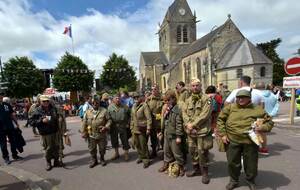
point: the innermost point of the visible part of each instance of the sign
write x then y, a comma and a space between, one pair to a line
292, 67
291, 82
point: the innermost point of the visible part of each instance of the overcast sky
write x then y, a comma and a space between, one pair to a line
34, 27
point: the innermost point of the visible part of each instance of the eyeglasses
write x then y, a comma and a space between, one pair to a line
45, 101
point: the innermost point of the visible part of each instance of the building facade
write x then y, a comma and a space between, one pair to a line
222, 55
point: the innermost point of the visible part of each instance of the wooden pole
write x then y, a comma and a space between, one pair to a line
292, 107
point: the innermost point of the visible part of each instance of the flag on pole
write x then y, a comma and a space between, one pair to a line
68, 31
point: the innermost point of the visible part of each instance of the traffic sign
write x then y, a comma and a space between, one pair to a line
292, 67
291, 82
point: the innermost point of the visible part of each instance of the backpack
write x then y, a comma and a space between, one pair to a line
215, 105
81, 113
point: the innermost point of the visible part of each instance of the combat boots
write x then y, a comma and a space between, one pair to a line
126, 155
232, 185
102, 160
93, 163
116, 155
251, 185
164, 167
195, 172
48, 166
205, 177
56, 163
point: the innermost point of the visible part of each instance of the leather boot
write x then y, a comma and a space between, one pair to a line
48, 166
195, 172
251, 184
181, 171
205, 177
126, 155
102, 160
93, 163
116, 155
164, 167
56, 163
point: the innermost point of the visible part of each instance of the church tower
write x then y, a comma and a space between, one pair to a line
178, 28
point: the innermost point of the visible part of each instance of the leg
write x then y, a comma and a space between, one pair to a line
178, 155
192, 143
250, 157
93, 151
234, 154
102, 148
154, 142
3, 144
144, 149
168, 157
46, 140
125, 143
114, 142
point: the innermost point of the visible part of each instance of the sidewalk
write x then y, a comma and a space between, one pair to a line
8, 182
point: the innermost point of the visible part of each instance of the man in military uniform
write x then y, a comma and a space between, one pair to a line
32, 110
196, 116
62, 132
234, 122
45, 119
173, 133
140, 125
120, 115
96, 123
182, 93
155, 104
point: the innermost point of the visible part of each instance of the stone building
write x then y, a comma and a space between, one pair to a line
222, 55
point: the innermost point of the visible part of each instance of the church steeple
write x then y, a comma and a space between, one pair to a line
178, 28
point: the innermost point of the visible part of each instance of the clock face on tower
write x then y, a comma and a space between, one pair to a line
182, 11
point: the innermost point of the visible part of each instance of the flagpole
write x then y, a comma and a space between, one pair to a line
72, 38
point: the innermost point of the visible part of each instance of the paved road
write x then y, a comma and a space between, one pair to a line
280, 170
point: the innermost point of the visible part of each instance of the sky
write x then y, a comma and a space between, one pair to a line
34, 28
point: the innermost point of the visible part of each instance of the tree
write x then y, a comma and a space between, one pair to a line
71, 74
117, 73
269, 49
24, 79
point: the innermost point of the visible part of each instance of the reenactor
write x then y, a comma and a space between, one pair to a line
45, 118
31, 111
182, 93
233, 125
96, 123
140, 125
196, 115
173, 134
62, 132
155, 104
120, 115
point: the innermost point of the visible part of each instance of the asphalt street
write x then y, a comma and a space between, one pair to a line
279, 170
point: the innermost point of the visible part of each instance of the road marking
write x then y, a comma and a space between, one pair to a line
33, 181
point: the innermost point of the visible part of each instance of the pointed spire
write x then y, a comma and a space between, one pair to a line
229, 16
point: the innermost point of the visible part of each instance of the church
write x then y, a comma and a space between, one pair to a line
222, 55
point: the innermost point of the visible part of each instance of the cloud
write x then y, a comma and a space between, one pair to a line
98, 35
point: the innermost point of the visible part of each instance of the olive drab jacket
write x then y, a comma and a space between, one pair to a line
140, 118
120, 115
197, 111
62, 125
173, 123
155, 104
234, 122
94, 121
182, 97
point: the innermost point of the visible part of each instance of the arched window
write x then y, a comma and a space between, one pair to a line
185, 34
239, 73
262, 71
179, 34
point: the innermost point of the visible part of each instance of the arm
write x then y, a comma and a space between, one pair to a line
275, 109
108, 121
222, 119
179, 124
148, 115
267, 125
205, 113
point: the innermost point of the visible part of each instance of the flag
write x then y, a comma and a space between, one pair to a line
68, 31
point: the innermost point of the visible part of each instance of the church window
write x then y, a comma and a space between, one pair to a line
198, 67
239, 73
185, 34
165, 82
179, 34
262, 71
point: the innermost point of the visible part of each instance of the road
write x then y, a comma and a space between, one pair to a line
280, 170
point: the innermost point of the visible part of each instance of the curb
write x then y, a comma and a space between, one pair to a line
32, 181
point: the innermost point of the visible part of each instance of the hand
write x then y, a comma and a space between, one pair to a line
103, 129
45, 120
159, 134
148, 132
258, 129
178, 140
225, 139
84, 135
189, 126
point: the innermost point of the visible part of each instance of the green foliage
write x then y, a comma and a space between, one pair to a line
68, 75
269, 49
24, 79
117, 73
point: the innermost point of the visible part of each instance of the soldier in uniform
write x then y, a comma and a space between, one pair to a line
140, 125
96, 123
155, 104
31, 111
120, 115
196, 115
182, 93
45, 119
173, 133
62, 131
233, 124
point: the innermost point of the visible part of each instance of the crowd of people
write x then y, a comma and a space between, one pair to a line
180, 122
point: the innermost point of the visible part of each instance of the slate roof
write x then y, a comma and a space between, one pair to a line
241, 53
151, 58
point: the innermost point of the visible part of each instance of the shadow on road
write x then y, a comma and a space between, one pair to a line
76, 163
32, 140
48, 184
17, 185
33, 156
218, 169
77, 153
270, 179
